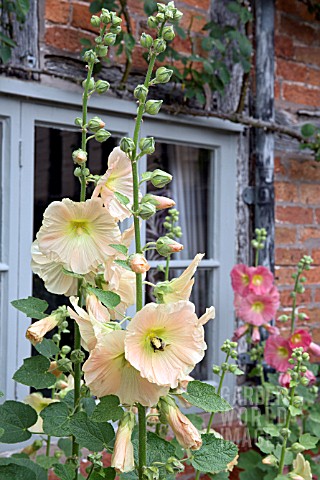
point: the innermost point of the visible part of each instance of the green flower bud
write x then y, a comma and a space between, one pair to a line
165, 246
78, 122
65, 349
77, 172
116, 29
306, 356
283, 318
153, 106
150, 473
109, 39
77, 356
175, 464
285, 432
147, 145
168, 34
105, 16
216, 369
152, 22
177, 15
91, 84
163, 75
159, 178
95, 21
161, 7
127, 144
98, 40
297, 402
146, 210
102, 135
140, 92
115, 20
297, 447
79, 156
89, 56
102, 50
146, 41
159, 45
95, 124
64, 365
304, 381
102, 86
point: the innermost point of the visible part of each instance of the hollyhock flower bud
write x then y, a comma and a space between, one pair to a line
163, 74
161, 203
146, 210
301, 469
146, 40
95, 124
165, 246
140, 92
271, 329
102, 86
270, 460
109, 39
152, 22
105, 16
95, 21
147, 145
255, 335
90, 57
159, 45
315, 349
122, 458
127, 144
310, 376
168, 33
38, 330
102, 50
186, 433
152, 107
79, 156
284, 379
54, 369
102, 135
177, 15
115, 29
138, 263
159, 178
115, 20
239, 332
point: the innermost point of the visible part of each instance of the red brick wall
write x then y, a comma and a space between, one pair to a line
297, 175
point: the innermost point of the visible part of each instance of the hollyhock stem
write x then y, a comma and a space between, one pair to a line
166, 273
285, 439
294, 303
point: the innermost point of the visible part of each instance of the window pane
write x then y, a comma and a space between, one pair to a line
192, 190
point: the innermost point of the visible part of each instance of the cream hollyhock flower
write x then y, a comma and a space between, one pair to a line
38, 330
301, 469
178, 288
186, 433
38, 403
122, 458
118, 178
78, 234
165, 341
107, 372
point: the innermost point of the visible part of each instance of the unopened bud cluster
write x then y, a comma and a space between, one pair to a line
229, 348
260, 238
173, 230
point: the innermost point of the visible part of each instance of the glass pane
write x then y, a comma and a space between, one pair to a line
192, 190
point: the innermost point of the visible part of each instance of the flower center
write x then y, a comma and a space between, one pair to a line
258, 307
79, 227
283, 352
245, 280
296, 338
257, 280
157, 344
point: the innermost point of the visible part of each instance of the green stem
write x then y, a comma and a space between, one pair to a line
90, 472
256, 262
166, 273
142, 418
294, 303
285, 439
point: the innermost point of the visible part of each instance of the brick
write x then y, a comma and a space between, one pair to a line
304, 169
310, 233
313, 276
198, 21
57, 11
200, 4
292, 92
314, 76
279, 167
286, 300
295, 215
299, 30
81, 17
66, 39
283, 275
309, 55
289, 70
310, 194
277, 90
283, 46
288, 256
294, 7
286, 192
315, 254
284, 235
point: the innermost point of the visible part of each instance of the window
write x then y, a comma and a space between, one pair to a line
200, 153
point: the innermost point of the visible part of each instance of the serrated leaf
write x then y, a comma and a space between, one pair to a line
123, 264
26, 463
109, 299
64, 472
120, 248
34, 373
91, 435
214, 455
307, 130
47, 348
16, 472
288, 457
196, 420
123, 199
308, 441
31, 306
56, 419
107, 409
15, 419
203, 395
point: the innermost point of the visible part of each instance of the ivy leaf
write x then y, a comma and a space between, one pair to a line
214, 455
15, 419
123, 199
56, 419
91, 435
31, 306
308, 441
307, 130
265, 445
34, 373
40, 473
47, 348
123, 264
107, 409
109, 299
64, 472
16, 472
120, 248
203, 395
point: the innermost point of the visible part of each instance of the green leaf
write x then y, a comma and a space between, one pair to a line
46, 462
265, 445
197, 420
214, 455
56, 420
307, 130
294, 411
203, 395
15, 419
288, 457
219, 476
308, 441
159, 450
146, 176
180, 32
7, 40
249, 460
23, 7
123, 199
109, 299
120, 248
64, 472
5, 53
108, 473
107, 409
72, 274
271, 430
65, 444
47, 348
91, 435
34, 373
40, 473
123, 264
16, 472
31, 306
1, 394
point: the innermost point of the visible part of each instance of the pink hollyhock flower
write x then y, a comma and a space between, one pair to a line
118, 178
165, 341
300, 338
315, 349
240, 331
285, 379
107, 372
122, 458
96, 309
261, 280
311, 377
240, 279
163, 202
277, 353
255, 335
138, 263
39, 329
258, 309
186, 433
78, 234
271, 329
